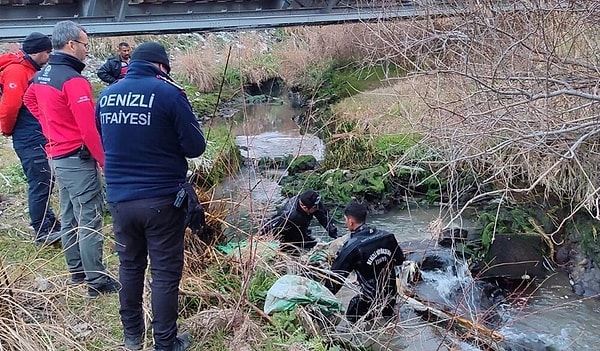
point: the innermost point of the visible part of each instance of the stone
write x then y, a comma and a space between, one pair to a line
514, 256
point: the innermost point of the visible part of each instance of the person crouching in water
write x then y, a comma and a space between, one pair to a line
291, 223
372, 253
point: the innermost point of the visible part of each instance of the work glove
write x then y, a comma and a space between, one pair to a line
332, 230
194, 217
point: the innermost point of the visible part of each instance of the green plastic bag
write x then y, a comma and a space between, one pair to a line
262, 248
290, 291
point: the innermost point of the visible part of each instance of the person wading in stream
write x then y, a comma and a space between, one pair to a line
291, 223
372, 253
148, 129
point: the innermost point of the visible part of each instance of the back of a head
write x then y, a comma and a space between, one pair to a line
356, 210
65, 31
152, 52
36, 42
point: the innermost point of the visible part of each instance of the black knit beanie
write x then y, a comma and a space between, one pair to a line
153, 52
36, 42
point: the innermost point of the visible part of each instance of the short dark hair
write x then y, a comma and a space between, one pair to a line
310, 198
123, 44
356, 210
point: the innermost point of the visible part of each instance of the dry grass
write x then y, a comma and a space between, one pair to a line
511, 98
305, 47
104, 47
197, 68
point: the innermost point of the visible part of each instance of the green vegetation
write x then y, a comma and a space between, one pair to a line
505, 220
203, 104
338, 186
584, 230
12, 179
221, 159
330, 81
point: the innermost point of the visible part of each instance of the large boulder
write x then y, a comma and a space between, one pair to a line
514, 256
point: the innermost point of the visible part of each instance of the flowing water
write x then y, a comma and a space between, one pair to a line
548, 318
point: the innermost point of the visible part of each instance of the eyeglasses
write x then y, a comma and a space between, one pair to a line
85, 45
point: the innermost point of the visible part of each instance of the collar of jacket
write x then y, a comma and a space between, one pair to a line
363, 230
61, 58
28, 58
141, 68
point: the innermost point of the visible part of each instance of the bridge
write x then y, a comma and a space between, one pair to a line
130, 17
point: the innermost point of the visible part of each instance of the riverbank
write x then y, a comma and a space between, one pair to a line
477, 111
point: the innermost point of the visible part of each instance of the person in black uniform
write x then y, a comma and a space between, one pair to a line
372, 253
148, 129
291, 223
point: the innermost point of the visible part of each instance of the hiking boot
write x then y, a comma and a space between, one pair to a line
133, 343
47, 239
109, 287
76, 278
182, 342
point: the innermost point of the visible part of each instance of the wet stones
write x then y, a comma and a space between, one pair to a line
450, 236
514, 256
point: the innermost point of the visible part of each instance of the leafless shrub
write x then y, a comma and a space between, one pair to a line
510, 93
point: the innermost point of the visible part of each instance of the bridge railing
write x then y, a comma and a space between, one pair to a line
127, 17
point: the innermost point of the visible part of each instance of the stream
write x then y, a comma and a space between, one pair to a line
551, 317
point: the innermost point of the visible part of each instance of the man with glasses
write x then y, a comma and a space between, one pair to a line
291, 223
16, 69
61, 99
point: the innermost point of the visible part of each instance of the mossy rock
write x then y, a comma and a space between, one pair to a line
273, 162
301, 164
584, 229
515, 256
338, 186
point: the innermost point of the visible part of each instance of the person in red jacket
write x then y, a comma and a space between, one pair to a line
61, 99
16, 70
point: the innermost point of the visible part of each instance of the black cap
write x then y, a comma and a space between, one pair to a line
36, 42
152, 52
310, 198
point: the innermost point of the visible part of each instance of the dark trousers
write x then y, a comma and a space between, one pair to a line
149, 227
39, 179
359, 307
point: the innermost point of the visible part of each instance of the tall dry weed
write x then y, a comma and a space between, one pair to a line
307, 46
104, 47
197, 66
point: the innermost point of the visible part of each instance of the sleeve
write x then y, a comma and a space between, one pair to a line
191, 138
78, 93
15, 84
97, 117
341, 268
30, 101
325, 221
104, 73
278, 221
